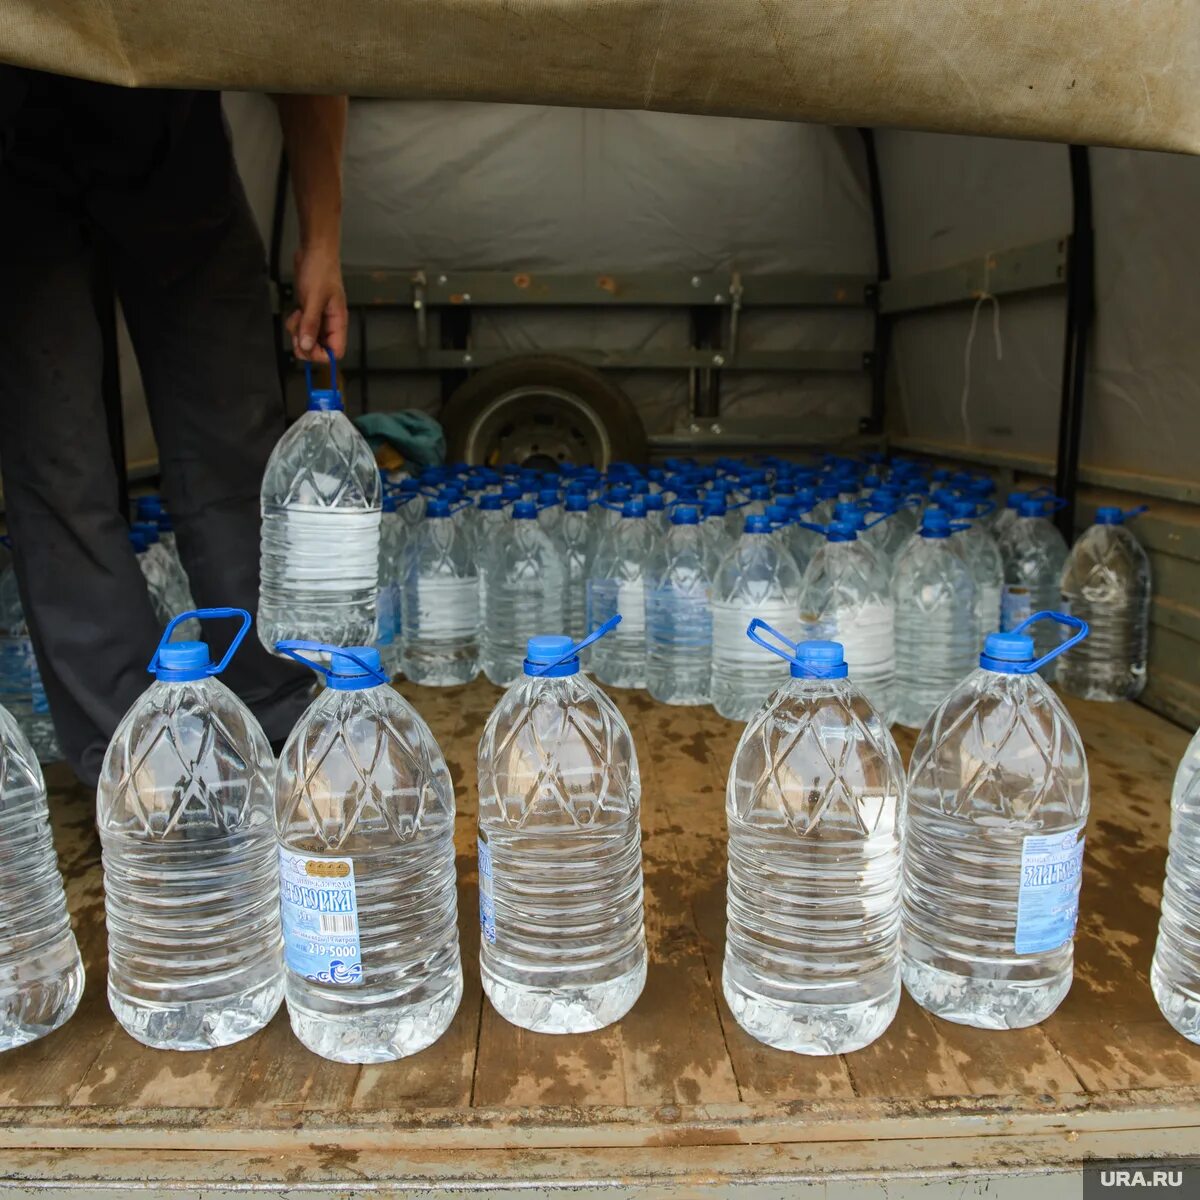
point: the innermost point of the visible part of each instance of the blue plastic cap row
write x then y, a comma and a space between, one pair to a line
685, 514
524, 510
757, 524
576, 502
491, 502
935, 523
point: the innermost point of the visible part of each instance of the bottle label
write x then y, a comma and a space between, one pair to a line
1048, 899
487, 895
319, 908
447, 608
388, 614
1016, 605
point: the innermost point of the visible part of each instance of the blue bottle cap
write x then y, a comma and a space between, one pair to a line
757, 524
935, 523
1000, 649
1031, 506
819, 660
549, 648
438, 508
653, 502
524, 510
760, 491
353, 674
149, 508
776, 514
685, 514
388, 503
619, 493
548, 496
841, 531
576, 502
148, 530
490, 502
634, 508
510, 491
1109, 515
177, 662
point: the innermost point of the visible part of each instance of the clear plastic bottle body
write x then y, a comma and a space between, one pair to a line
1175, 971
41, 974
679, 617
617, 584
889, 535
814, 805
574, 544
997, 804
937, 637
167, 584
982, 553
439, 605
563, 947
190, 878
845, 596
1106, 582
1034, 555
363, 797
321, 509
389, 627
21, 690
486, 535
801, 543
526, 593
757, 578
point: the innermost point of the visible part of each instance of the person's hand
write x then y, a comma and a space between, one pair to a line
321, 317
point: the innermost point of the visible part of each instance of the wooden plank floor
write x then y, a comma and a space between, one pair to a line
677, 1070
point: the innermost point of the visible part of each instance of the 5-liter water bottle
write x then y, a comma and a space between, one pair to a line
364, 811
979, 548
678, 616
321, 505
526, 585
191, 887
41, 975
997, 803
617, 585
439, 601
815, 809
937, 637
1175, 972
845, 597
756, 579
21, 690
1034, 554
573, 536
563, 946
1106, 582
393, 530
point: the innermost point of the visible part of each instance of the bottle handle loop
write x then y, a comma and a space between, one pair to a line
205, 614
293, 647
1081, 631
752, 632
308, 371
567, 655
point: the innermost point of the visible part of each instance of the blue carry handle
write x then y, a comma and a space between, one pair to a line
292, 648
205, 614
323, 399
573, 652
1080, 626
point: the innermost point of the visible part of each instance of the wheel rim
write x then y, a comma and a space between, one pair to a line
538, 426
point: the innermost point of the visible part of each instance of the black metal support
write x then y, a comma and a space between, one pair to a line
1080, 309
881, 346
105, 305
705, 324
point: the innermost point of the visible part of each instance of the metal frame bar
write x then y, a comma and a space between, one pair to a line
1080, 308
878, 365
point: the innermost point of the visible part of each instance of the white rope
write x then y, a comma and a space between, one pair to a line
980, 296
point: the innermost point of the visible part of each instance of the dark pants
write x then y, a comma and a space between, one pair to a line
144, 182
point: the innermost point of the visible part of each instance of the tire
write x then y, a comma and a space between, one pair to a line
542, 410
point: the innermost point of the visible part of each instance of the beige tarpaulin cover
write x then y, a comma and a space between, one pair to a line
1120, 72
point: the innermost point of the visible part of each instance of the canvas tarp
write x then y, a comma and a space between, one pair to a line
1099, 71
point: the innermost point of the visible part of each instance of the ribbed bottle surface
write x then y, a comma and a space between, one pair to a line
191, 889
563, 946
573, 536
321, 508
617, 584
440, 615
845, 596
41, 974
997, 803
679, 618
1034, 554
814, 808
389, 628
1175, 972
1106, 582
525, 596
982, 553
757, 578
364, 809
937, 638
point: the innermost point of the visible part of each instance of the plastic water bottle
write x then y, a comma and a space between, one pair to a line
526, 586
439, 602
678, 615
617, 585
1034, 554
21, 690
563, 946
392, 533
887, 525
573, 537
814, 806
714, 527
170, 594
321, 508
364, 812
549, 515
845, 597
937, 637
979, 548
1106, 582
410, 503
41, 974
997, 803
756, 579
1004, 518
190, 880
1175, 972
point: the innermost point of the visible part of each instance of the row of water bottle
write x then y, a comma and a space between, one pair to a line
327, 879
